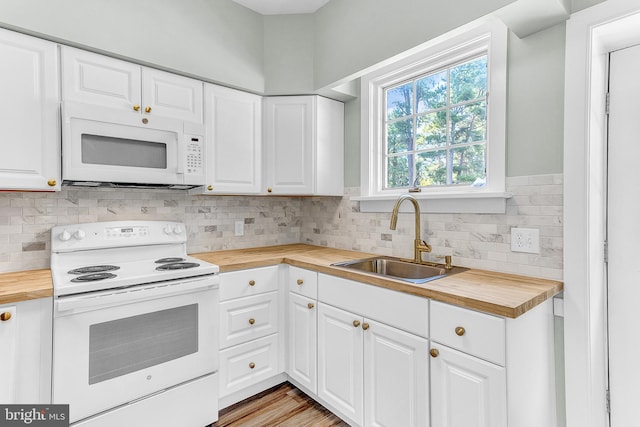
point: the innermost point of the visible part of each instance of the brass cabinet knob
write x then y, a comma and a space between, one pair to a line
252, 321
136, 107
52, 183
356, 323
252, 365
210, 187
269, 190
5, 316
434, 352
147, 109
252, 282
300, 281
365, 326
460, 331
310, 305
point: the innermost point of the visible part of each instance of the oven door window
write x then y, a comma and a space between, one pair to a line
108, 150
119, 347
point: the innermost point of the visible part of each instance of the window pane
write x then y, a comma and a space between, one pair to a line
400, 136
469, 81
468, 165
432, 168
398, 168
432, 92
399, 101
469, 123
432, 130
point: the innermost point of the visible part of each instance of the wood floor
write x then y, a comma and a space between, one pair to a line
283, 405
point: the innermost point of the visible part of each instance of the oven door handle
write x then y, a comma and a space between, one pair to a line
130, 295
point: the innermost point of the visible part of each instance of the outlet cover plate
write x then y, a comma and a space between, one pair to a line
239, 229
525, 240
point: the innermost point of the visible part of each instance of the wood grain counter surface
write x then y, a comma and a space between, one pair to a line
25, 285
503, 294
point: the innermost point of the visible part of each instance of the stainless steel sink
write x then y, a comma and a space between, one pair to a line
399, 269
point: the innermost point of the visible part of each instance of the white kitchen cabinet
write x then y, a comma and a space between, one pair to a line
304, 146
96, 79
466, 391
25, 359
302, 341
234, 141
30, 111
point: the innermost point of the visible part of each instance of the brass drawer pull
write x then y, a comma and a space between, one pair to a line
252, 321
147, 109
5, 316
310, 305
252, 365
460, 331
136, 107
300, 281
252, 282
365, 326
52, 183
356, 323
434, 352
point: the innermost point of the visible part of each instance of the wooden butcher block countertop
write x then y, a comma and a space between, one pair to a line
491, 292
25, 285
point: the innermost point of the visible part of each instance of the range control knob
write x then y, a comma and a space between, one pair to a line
65, 235
177, 229
167, 230
79, 235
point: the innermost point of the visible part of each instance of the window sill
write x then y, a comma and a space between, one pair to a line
487, 203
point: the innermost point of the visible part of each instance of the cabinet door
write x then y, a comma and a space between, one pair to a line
8, 356
466, 391
30, 112
396, 377
100, 80
234, 141
340, 361
302, 340
170, 95
289, 144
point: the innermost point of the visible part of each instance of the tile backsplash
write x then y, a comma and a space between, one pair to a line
474, 240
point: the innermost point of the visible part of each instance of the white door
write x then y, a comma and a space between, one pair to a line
170, 95
340, 361
466, 391
29, 113
396, 377
302, 340
623, 231
234, 141
289, 144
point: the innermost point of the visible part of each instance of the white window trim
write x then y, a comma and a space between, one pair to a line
488, 36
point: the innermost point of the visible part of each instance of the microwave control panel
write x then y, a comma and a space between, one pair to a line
194, 154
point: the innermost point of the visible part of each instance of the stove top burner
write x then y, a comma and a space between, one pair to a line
177, 266
93, 277
167, 260
94, 269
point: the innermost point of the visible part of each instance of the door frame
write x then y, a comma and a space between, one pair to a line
591, 35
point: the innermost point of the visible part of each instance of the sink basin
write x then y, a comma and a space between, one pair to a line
399, 269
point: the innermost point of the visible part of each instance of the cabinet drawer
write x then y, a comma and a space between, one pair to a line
407, 312
303, 282
244, 283
247, 364
471, 332
246, 319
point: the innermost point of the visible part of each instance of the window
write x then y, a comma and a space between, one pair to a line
434, 121
436, 128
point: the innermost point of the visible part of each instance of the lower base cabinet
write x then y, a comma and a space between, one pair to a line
373, 374
302, 341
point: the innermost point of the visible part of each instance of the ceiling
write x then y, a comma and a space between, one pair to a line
282, 7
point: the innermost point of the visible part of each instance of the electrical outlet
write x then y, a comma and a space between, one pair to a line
239, 228
525, 240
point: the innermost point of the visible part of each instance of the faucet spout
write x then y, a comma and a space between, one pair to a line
419, 246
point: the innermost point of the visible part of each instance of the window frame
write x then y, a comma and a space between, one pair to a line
485, 37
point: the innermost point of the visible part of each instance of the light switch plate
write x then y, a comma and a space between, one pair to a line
525, 240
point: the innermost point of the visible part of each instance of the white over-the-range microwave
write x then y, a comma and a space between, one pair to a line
106, 147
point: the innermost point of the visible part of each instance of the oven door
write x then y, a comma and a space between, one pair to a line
113, 347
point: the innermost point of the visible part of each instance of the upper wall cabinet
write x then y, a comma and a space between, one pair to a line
100, 80
234, 141
304, 146
29, 108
